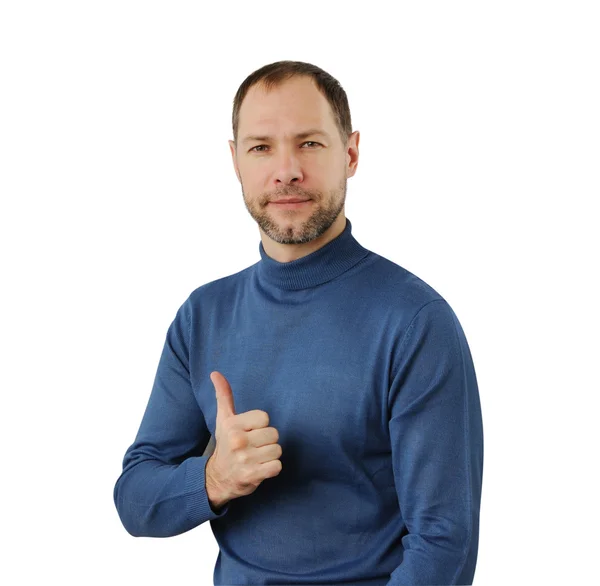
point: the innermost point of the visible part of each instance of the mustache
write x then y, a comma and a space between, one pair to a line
290, 192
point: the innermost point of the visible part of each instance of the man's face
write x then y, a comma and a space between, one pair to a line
272, 161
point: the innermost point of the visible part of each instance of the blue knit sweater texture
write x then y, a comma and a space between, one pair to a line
365, 371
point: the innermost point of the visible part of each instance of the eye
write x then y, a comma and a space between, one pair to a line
257, 147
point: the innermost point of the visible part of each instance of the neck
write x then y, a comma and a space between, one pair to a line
321, 266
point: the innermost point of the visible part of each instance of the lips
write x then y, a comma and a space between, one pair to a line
290, 200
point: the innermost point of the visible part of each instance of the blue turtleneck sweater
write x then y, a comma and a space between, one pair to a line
366, 373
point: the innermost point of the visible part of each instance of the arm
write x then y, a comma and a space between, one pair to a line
161, 491
437, 450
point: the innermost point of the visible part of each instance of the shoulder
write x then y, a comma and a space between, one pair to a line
221, 289
411, 305
397, 288
205, 300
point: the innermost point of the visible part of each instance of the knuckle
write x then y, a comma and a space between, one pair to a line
246, 477
237, 440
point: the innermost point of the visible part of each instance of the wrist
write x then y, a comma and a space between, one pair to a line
216, 495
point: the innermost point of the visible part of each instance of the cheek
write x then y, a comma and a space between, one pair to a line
252, 175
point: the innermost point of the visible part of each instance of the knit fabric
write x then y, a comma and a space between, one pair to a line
365, 371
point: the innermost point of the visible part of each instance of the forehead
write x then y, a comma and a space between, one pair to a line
294, 103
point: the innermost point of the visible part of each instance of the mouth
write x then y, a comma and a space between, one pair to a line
290, 203
290, 200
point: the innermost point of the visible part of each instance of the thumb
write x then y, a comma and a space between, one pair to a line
225, 405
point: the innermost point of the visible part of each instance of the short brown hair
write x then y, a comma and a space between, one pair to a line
275, 73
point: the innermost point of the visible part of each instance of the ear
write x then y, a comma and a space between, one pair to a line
234, 158
352, 153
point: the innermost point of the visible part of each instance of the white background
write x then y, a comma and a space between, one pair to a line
478, 171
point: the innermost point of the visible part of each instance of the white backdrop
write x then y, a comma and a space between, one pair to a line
479, 164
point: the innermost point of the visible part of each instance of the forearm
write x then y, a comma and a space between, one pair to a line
158, 500
436, 560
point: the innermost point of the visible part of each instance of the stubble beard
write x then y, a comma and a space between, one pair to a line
324, 214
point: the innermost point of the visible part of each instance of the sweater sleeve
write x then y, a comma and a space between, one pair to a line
161, 491
436, 432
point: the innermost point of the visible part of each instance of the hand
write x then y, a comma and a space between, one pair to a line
246, 450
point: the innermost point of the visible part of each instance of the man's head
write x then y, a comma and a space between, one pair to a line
293, 138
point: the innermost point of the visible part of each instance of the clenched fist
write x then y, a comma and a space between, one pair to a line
246, 450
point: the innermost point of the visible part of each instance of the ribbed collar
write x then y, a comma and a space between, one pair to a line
316, 268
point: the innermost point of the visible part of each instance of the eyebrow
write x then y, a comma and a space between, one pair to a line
306, 134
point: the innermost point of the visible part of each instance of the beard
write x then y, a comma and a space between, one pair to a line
291, 229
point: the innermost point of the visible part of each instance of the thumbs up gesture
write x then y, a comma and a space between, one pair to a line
246, 449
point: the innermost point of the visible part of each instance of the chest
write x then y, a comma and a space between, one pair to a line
323, 387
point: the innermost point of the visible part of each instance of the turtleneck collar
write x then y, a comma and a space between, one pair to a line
316, 268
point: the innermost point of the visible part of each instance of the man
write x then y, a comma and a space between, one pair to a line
339, 387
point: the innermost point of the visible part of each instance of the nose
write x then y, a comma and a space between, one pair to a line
288, 168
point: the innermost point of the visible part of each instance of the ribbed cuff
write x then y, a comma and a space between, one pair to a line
198, 505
